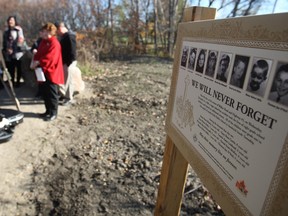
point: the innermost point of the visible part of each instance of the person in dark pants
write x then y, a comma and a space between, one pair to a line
68, 45
50, 97
13, 43
49, 58
33, 50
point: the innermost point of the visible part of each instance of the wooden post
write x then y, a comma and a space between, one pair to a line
198, 13
172, 181
174, 167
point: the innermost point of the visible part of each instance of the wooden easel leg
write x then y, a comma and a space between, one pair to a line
174, 167
172, 181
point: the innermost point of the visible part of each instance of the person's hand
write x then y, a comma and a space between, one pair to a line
9, 51
20, 40
34, 64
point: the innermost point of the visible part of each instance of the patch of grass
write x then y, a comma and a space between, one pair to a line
91, 69
86, 69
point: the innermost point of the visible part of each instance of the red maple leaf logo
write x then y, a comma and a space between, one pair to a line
242, 187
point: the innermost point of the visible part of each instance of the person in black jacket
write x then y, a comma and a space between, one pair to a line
13, 43
33, 50
68, 45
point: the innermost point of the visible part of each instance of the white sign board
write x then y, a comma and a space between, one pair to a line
230, 104
236, 125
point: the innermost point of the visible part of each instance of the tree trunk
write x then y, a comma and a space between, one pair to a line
155, 26
111, 21
171, 27
235, 9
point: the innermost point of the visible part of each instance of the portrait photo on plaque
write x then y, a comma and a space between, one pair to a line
201, 60
211, 63
239, 70
192, 58
258, 76
224, 66
279, 89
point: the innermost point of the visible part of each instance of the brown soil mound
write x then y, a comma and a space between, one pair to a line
102, 155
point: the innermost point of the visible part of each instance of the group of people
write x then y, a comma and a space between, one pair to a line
53, 56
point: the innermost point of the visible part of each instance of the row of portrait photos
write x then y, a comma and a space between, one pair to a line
222, 66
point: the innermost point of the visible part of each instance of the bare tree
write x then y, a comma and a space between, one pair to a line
244, 7
107, 22
275, 3
155, 4
173, 12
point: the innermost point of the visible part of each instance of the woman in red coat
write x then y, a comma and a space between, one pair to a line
49, 58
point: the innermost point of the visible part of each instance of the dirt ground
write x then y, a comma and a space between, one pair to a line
102, 155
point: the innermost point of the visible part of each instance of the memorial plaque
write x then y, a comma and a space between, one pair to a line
228, 109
